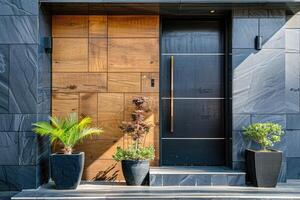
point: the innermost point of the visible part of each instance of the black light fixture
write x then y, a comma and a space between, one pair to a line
48, 44
258, 42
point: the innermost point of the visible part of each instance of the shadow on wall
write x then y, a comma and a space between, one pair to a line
99, 165
265, 82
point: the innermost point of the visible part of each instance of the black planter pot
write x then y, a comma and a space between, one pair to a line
66, 170
263, 167
135, 171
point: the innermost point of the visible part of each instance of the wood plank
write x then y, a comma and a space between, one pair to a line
70, 55
63, 104
88, 106
124, 82
111, 102
98, 55
133, 55
102, 170
110, 114
133, 26
96, 149
69, 26
147, 78
79, 82
97, 26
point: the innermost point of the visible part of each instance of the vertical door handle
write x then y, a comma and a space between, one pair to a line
172, 94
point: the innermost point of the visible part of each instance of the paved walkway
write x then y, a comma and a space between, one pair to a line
94, 191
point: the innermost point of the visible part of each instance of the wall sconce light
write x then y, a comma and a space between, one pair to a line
48, 44
258, 42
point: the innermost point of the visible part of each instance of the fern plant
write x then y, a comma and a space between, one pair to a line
68, 131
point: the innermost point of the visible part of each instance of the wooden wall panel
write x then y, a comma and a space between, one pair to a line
98, 55
124, 82
133, 26
100, 63
147, 78
79, 82
70, 55
133, 55
98, 26
63, 104
88, 106
69, 26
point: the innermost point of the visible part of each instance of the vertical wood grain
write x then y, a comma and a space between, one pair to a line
98, 26
98, 55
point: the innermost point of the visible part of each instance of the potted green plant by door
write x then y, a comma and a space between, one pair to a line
66, 167
263, 165
135, 158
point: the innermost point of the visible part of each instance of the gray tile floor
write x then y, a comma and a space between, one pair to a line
94, 191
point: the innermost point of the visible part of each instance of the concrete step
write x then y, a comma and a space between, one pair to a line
196, 176
97, 191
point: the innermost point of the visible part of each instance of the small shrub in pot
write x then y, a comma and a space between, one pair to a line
135, 158
263, 165
66, 167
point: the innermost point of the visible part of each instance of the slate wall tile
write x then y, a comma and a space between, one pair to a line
239, 121
243, 32
9, 148
16, 178
272, 31
17, 122
27, 148
292, 81
18, 29
260, 81
292, 121
292, 40
18, 7
293, 143
280, 119
23, 97
293, 169
258, 13
4, 74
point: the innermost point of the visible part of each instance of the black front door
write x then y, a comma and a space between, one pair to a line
192, 92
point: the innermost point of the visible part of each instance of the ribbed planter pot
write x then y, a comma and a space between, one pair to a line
135, 171
66, 170
263, 167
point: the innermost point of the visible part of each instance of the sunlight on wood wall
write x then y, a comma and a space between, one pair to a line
99, 63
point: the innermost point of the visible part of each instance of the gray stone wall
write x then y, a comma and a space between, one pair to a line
266, 82
24, 95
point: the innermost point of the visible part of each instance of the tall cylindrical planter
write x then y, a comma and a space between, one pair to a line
263, 167
135, 171
66, 170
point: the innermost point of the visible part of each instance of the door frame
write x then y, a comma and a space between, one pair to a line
227, 80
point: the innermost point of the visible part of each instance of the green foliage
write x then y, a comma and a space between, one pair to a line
136, 129
133, 153
265, 134
69, 131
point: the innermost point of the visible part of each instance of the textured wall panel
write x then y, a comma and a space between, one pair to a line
97, 73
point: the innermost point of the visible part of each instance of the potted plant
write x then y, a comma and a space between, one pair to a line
263, 165
66, 167
135, 158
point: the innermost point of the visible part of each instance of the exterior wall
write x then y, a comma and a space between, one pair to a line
22, 97
266, 82
99, 64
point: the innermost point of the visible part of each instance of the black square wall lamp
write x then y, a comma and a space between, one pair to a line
258, 42
48, 44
